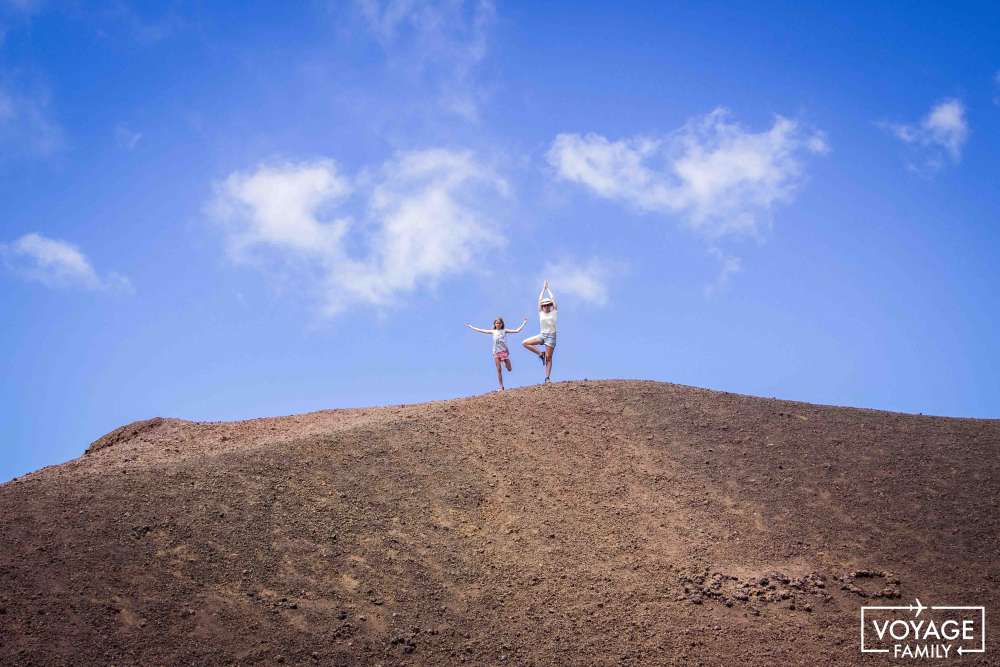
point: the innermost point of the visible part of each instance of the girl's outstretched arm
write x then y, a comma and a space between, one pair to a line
478, 329
518, 330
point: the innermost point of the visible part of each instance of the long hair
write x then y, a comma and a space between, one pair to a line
500, 320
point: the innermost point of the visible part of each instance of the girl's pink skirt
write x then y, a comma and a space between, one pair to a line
502, 355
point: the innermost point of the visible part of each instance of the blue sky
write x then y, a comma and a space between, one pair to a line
251, 209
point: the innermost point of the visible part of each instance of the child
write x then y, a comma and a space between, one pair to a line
500, 351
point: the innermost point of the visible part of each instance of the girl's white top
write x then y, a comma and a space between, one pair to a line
499, 340
548, 320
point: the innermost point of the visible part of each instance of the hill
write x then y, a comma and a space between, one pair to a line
577, 523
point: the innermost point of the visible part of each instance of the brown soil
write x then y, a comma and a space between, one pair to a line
581, 523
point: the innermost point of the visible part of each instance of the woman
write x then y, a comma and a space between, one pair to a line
500, 352
547, 311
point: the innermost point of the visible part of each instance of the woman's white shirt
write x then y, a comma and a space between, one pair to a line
547, 321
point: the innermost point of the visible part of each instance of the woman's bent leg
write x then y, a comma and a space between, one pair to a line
532, 343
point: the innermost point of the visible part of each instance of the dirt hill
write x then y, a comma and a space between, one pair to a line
579, 523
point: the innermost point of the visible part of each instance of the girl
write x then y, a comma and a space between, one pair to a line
547, 311
500, 351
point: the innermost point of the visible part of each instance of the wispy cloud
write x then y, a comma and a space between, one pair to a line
719, 178
56, 263
729, 266
22, 6
26, 124
939, 134
441, 43
126, 138
589, 280
422, 218
144, 23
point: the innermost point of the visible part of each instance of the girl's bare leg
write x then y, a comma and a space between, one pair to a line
549, 351
499, 375
507, 364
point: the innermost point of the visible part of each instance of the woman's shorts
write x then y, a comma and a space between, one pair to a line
549, 339
502, 355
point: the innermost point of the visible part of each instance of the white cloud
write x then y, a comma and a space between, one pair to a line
56, 263
587, 281
422, 219
942, 131
718, 177
441, 43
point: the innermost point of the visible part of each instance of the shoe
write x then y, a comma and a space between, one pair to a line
547, 380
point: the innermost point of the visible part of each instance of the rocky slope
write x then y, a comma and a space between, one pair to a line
579, 523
